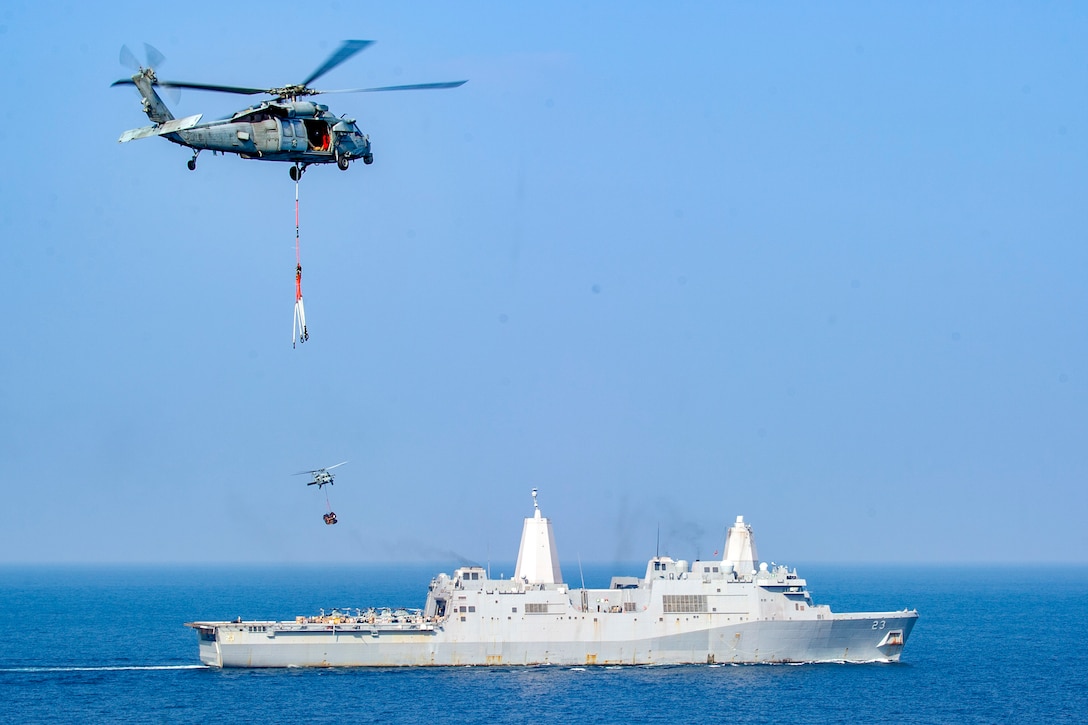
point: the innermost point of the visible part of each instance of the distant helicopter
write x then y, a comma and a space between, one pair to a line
321, 477
281, 129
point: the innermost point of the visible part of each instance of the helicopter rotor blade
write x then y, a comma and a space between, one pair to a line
241, 90
128, 59
346, 50
154, 57
412, 87
173, 93
318, 470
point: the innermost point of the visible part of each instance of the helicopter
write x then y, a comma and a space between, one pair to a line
284, 128
321, 475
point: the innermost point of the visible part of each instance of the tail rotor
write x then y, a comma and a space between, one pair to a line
154, 60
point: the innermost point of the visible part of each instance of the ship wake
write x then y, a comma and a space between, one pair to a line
104, 668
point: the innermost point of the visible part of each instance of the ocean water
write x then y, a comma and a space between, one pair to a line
107, 645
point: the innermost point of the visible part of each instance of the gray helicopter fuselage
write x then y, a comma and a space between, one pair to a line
295, 131
278, 130
285, 128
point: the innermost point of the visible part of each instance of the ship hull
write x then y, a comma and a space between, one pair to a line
728, 610
842, 638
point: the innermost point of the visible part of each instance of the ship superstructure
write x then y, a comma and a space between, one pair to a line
718, 611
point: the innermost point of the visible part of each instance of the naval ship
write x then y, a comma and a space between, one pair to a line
732, 610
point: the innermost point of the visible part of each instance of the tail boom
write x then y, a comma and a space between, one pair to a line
160, 129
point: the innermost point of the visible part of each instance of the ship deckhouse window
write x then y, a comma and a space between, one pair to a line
675, 603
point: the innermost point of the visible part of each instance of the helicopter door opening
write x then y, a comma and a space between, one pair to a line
318, 134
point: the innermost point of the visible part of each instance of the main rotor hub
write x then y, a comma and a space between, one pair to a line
292, 92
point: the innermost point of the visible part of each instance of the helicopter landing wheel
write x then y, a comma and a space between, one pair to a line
342, 163
368, 159
191, 164
295, 172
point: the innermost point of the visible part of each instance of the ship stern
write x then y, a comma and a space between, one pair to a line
208, 643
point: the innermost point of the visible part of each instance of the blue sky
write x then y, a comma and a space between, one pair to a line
822, 265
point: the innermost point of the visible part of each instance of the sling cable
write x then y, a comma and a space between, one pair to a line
299, 333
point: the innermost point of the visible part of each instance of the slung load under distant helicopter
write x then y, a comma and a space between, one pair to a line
282, 129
